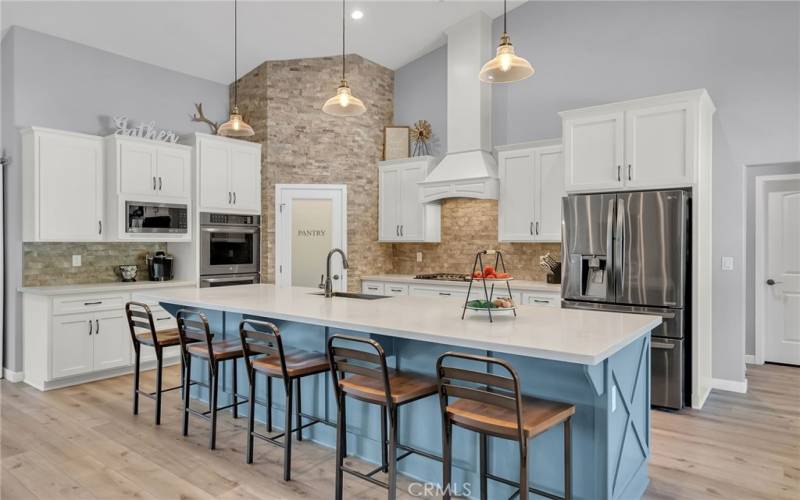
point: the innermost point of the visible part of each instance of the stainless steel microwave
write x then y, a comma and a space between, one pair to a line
143, 217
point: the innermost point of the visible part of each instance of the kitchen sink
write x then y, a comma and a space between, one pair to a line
349, 295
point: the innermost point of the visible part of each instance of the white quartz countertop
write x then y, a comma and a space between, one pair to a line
516, 285
576, 336
117, 286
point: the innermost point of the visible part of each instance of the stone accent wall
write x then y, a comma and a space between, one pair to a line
282, 101
469, 226
51, 263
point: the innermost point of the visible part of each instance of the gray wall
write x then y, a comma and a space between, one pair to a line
421, 85
745, 53
59, 84
751, 172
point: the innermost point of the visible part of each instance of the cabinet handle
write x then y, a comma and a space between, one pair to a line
396, 289
99, 227
164, 319
90, 328
97, 330
234, 197
619, 173
372, 288
397, 230
159, 183
537, 227
531, 228
154, 183
629, 172
401, 230
446, 294
540, 301
229, 197
93, 303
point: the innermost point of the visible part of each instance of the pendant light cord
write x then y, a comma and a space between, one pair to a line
505, 15
235, 54
343, 28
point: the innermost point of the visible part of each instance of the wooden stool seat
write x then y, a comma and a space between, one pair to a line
222, 349
538, 416
298, 363
165, 338
405, 387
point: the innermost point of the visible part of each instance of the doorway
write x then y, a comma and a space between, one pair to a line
777, 272
310, 220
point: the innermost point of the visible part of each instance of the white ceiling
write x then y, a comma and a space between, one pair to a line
196, 37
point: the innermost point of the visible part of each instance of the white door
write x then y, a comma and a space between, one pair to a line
549, 191
517, 195
112, 340
388, 204
659, 146
174, 177
215, 191
311, 219
70, 188
412, 212
72, 344
245, 179
783, 278
593, 152
137, 164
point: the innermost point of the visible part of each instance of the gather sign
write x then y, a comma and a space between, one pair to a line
143, 130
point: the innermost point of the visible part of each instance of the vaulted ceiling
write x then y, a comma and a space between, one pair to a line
196, 37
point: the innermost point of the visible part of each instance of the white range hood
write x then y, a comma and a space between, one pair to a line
468, 170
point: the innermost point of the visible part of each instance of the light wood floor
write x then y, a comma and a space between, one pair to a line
83, 442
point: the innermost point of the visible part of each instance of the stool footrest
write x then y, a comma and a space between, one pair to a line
535, 491
419, 452
365, 477
274, 439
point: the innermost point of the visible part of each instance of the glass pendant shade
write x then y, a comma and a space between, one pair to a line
344, 103
506, 66
235, 126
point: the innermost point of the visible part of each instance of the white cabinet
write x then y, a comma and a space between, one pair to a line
531, 187
229, 174
72, 344
62, 186
542, 299
528, 295
401, 216
641, 144
372, 288
148, 170
112, 340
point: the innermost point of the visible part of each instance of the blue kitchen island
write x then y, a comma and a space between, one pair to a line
598, 361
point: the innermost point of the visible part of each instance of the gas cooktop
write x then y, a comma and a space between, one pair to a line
443, 277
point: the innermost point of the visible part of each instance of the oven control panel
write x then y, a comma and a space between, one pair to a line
229, 219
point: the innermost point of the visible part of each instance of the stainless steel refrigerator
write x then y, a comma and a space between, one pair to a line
629, 252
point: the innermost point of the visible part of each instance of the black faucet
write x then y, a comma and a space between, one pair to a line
328, 281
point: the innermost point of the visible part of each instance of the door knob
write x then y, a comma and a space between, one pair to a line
772, 282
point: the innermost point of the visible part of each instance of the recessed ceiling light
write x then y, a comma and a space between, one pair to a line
356, 14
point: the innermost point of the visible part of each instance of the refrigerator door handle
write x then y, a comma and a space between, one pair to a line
610, 244
619, 267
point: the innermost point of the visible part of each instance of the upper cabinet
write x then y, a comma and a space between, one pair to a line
531, 187
401, 215
640, 144
63, 186
148, 170
229, 174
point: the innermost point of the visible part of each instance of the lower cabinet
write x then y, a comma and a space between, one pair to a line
70, 339
543, 298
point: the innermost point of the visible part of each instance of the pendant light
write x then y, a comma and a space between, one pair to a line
506, 66
235, 126
344, 103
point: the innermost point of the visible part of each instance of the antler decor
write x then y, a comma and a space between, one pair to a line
201, 118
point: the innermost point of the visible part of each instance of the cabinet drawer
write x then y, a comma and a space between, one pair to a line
88, 303
395, 289
372, 288
542, 299
429, 291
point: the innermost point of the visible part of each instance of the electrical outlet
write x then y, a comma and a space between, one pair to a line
76, 261
727, 263
419, 256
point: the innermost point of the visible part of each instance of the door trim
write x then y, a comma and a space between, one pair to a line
761, 252
341, 188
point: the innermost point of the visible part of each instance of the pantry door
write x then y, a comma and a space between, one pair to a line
310, 220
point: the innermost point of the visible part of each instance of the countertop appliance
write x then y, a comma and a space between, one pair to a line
230, 249
158, 218
161, 266
629, 252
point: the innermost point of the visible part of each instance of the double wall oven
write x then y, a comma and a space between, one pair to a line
230, 249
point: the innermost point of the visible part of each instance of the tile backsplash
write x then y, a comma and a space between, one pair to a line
469, 226
51, 263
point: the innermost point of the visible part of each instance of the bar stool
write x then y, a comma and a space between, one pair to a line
196, 341
492, 405
140, 318
364, 376
264, 338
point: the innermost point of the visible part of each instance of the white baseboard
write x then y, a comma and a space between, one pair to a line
750, 359
13, 376
722, 384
